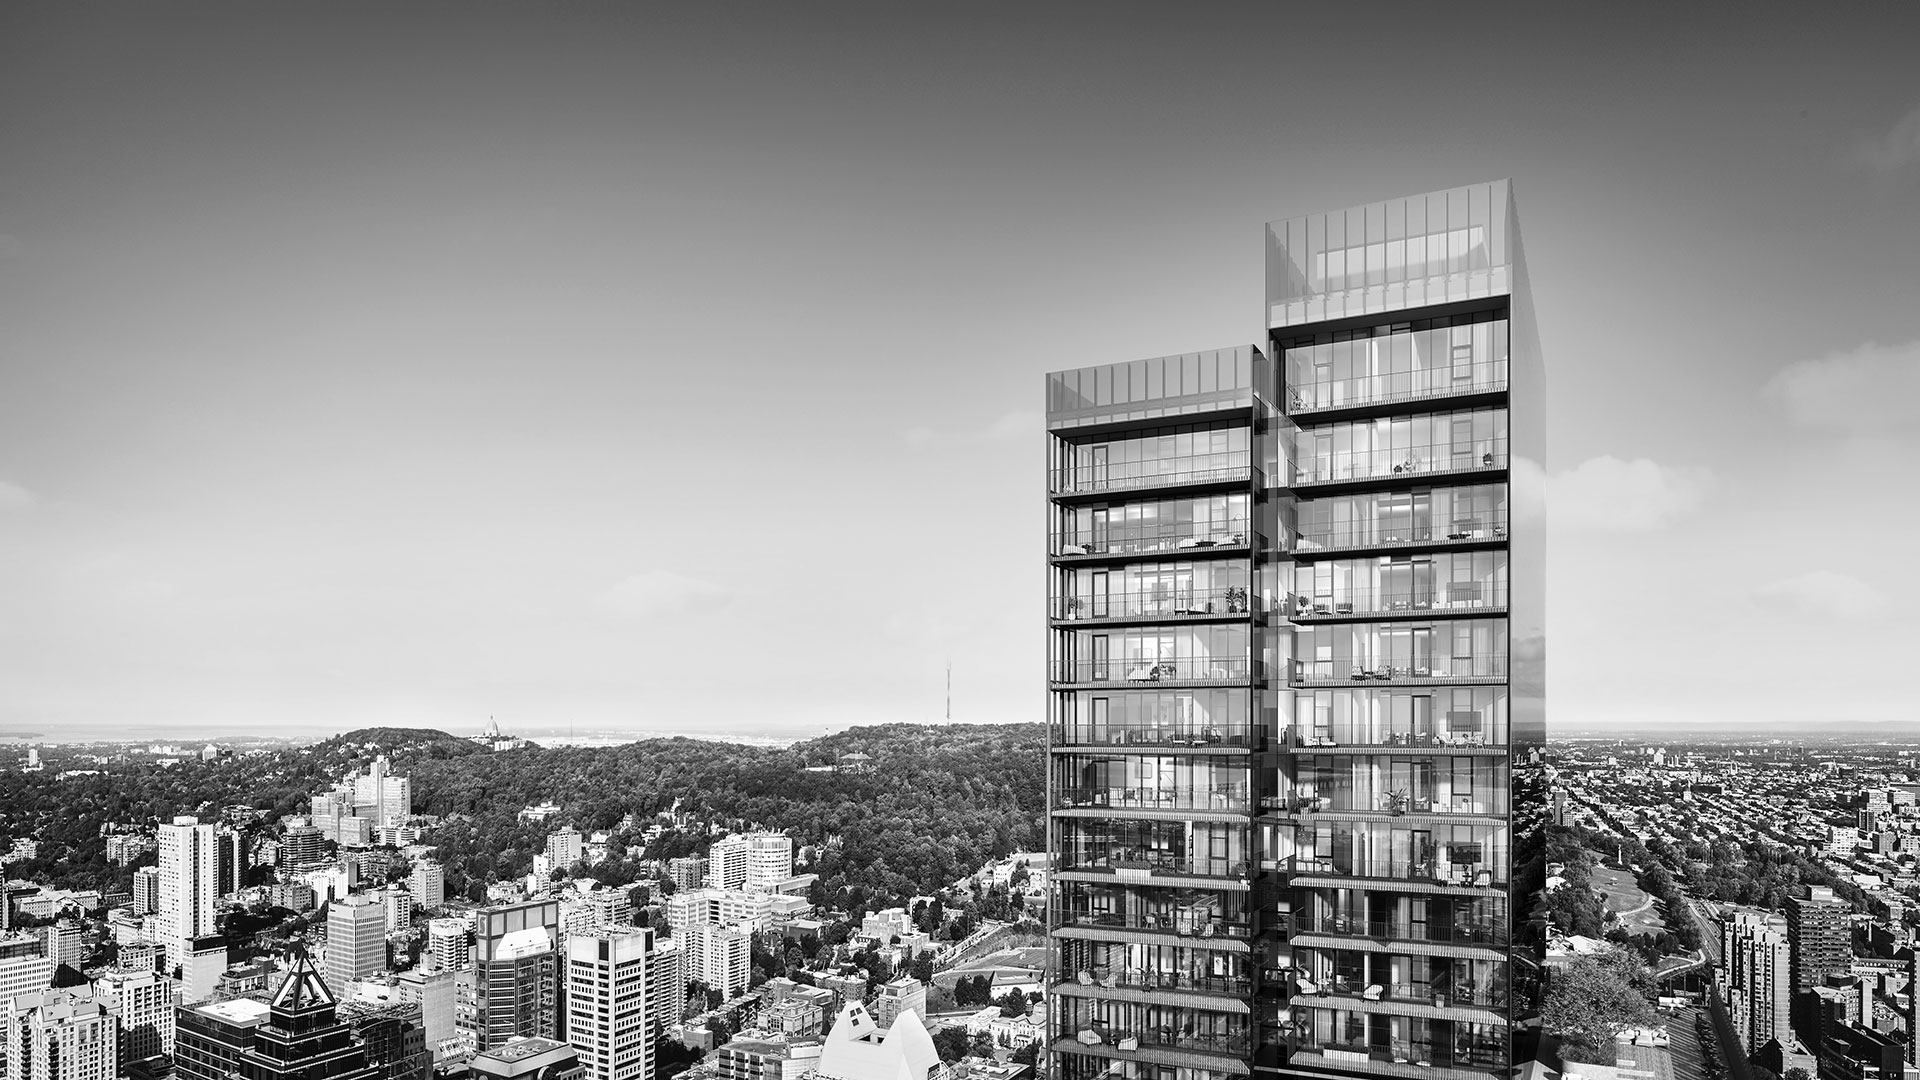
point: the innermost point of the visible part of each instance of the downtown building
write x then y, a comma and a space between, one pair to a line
1296, 651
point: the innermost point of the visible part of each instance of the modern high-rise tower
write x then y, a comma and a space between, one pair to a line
608, 1019
189, 885
1297, 647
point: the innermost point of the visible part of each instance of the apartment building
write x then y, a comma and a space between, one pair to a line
1296, 645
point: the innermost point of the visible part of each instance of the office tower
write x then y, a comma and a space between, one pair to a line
769, 860
298, 1035
516, 972
447, 943
144, 1002
900, 996
146, 890
64, 943
666, 985
1820, 943
60, 1035
381, 797
300, 846
230, 862
1755, 976
393, 1035
356, 941
609, 907
434, 993
528, 1059
727, 863
398, 905
189, 884
1296, 647
687, 871
428, 884
607, 1002
720, 956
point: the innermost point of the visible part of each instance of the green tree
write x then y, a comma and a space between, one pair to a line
950, 1043
1591, 999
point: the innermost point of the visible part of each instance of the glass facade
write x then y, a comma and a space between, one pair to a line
1296, 669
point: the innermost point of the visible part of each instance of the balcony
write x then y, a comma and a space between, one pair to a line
1433, 671
1349, 398
1488, 933
1189, 671
1360, 470
1178, 922
1100, 978
1330, 542
1196, 471
1416, 1062
1431, 995
1158, 605
1117, 1037
1479, 874
1447, 742
1351, 605
1235, 797
1189, 541
1184, 738
1386, 805
1146, 865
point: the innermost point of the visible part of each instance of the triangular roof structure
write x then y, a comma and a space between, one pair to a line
303, 990
856, 1048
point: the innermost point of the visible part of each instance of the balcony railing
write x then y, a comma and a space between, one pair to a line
1369, 669
1155, 604
1407, 463
1154, 473
1181, 923
1423, 1054
1451, 596
1375, 536
1305, 396
1219, 797
1183, 538
1144, 864
1329, 738
1462, 933
1156, 1038
1155, 735
1189, 669
1481, 805
1481, 874
1151, 979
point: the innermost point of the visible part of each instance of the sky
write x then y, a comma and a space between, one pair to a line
655, 369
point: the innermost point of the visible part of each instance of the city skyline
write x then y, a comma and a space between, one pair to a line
369, 369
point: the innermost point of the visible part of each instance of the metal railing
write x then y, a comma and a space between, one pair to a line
1469, 933
1215, 797
1129, 1037
1393, 740
1407, 461
1446, 596
1374, 535
1156, 979
1175, 737
1186, 669
1182, 924
1147, 863
1483, 377
1156, 603
1370, 669
1481, 874
1189, 537
1384, 802
1153, 472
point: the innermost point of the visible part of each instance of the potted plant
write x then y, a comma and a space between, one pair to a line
1074, 604
1397, 802
1236, 598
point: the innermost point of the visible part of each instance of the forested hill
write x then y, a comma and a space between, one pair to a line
933, 803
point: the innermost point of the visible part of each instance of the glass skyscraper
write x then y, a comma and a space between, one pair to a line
1296, 669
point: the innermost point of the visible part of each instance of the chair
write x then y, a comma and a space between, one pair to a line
1373, 992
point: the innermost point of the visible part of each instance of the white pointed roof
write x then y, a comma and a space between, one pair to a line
857, 1049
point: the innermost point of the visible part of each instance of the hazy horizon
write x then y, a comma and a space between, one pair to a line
649, 369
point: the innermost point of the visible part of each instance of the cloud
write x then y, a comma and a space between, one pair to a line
14, 497
1897, 149
1869, 388
1017, 424
1606, 494
1822, 592
661, 592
